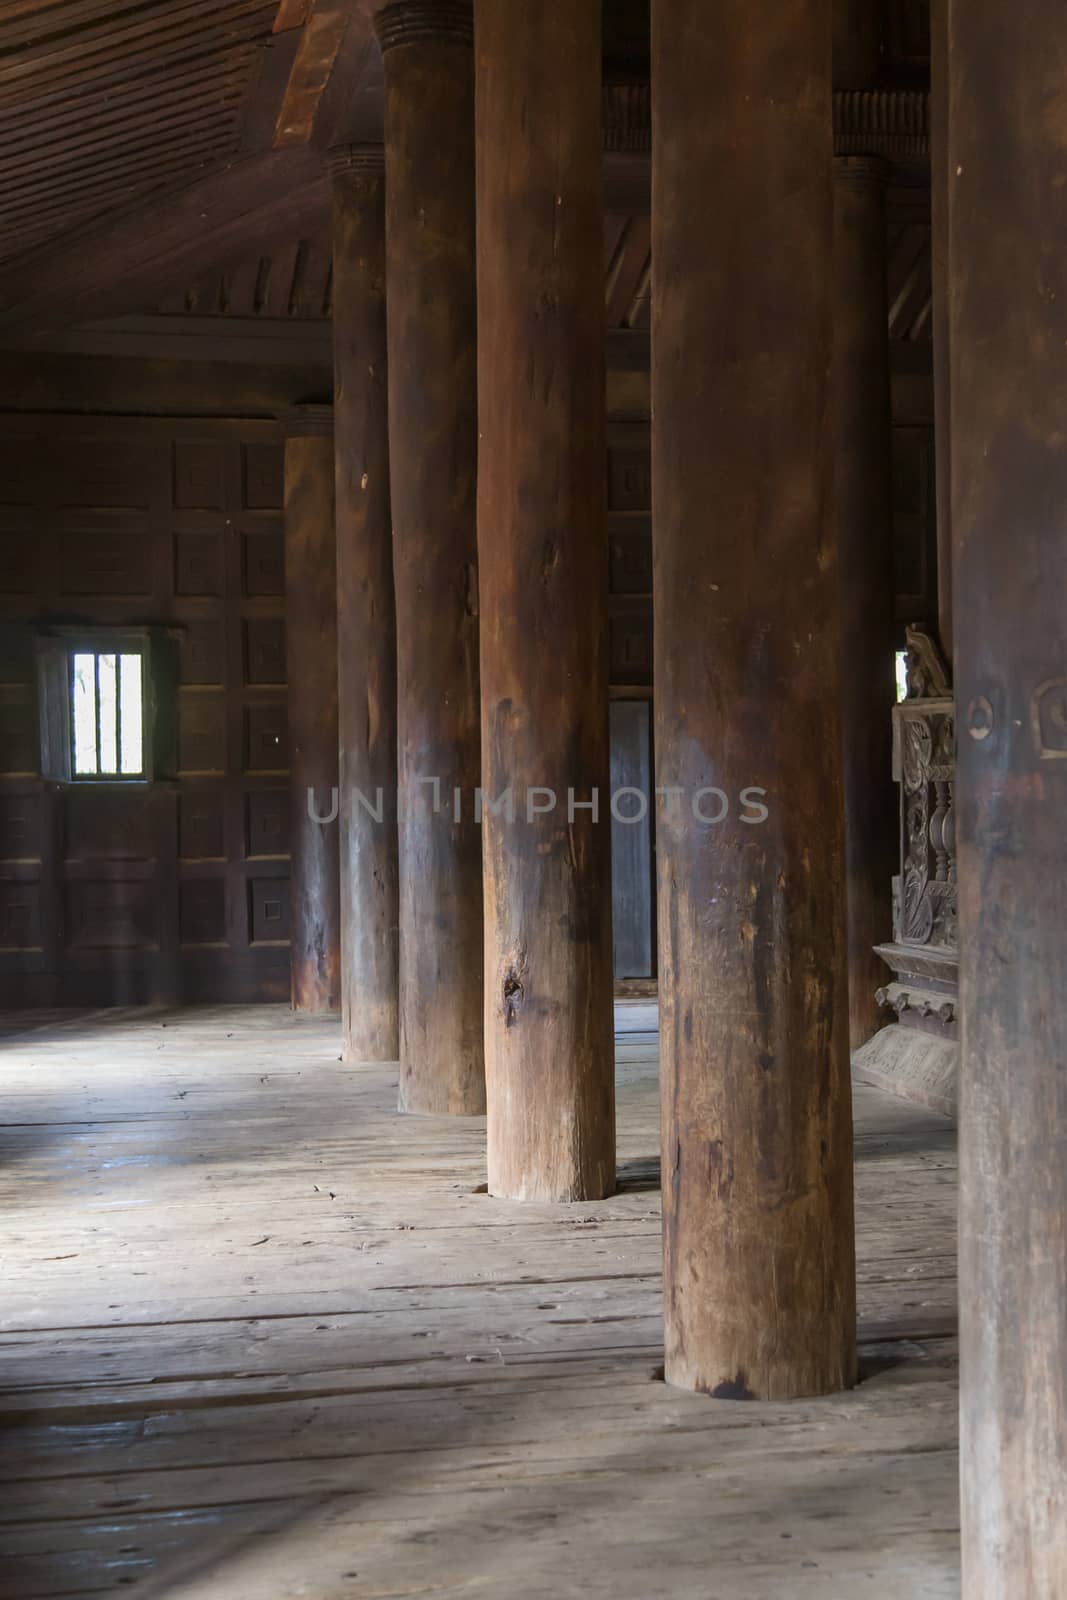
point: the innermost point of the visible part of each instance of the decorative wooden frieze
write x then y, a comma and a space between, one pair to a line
889, 122
357, 161
628, 117
405, 21
925, 767
917, 1055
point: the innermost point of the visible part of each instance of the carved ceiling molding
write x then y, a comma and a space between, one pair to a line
891, 123
628, 118
894, 123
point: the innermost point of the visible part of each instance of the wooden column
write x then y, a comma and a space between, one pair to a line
757, 1132
862, 498
939, 196
1008, 336
857, 42
311, 645
543, 551
366, 611
433, 427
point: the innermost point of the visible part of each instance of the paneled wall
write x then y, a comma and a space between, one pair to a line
177, 889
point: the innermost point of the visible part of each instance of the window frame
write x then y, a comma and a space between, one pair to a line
55, 651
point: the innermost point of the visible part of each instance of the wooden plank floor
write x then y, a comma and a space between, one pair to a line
263, 1338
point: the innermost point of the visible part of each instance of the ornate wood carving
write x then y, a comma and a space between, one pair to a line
882, 122
925, 742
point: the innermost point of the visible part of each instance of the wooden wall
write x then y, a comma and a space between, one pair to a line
113, 894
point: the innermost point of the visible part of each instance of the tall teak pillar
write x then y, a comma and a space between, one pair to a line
366, 611
865, 550
311, 646
1008, 345
433, 440
759, 1277
542, 543
940, 189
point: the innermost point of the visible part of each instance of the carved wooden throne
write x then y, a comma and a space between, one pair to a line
918, 1055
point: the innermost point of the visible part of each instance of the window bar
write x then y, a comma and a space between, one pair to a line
98, 697
118, 714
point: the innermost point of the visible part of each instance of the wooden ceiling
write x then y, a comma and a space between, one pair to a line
145, 144
104, 102
294, 281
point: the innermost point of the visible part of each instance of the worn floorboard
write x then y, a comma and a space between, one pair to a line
262, 1338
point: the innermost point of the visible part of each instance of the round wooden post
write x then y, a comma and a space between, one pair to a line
759, 1276
542, 544
311, 647
868, 593
366, 611
433, 433
1008, 344
940, 185
858, 26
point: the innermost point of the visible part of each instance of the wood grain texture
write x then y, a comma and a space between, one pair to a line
311, 633
366, 613
104, 105
543, 566
758, 1264
131, 258
863, 503
433, 440
260, 1334
1008, 226
940, 191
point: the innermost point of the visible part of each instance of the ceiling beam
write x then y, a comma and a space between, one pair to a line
324, 100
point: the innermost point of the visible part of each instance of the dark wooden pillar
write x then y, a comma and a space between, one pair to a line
366, 611
865, 549
1008, 332
433, 427
857, 42
757, 1132
542, 537
311, 645
939, 198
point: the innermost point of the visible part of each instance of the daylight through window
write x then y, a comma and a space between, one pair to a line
107, 714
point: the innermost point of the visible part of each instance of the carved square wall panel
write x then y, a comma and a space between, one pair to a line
110, 824
268, 917
111, 474
198, 565
19, 753
203, 911
266, 823
263, 478
266, 739
630, 555
203, 653
99, 561
20, 827
16, 654
630, 659
199, 468
201, 733
116, 914
630, 475
201, 825
18, 554
20, 916
264, 564
264, 652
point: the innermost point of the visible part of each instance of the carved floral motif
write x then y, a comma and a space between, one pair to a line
926, 908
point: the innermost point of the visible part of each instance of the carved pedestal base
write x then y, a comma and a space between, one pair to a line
918, 1055
923, 1067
